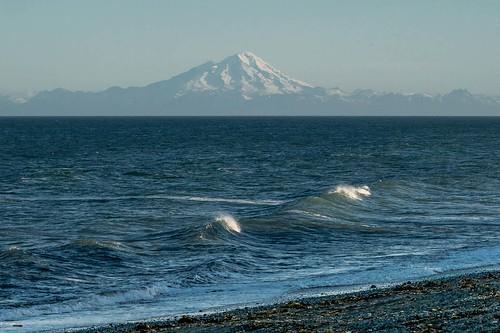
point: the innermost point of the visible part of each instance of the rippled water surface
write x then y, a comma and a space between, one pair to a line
110, 219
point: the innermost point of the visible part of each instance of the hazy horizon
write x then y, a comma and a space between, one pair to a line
423, 47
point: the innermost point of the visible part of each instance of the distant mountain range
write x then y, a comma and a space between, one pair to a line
243, 84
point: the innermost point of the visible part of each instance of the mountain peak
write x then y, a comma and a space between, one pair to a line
249, 58
247, 54
243, 73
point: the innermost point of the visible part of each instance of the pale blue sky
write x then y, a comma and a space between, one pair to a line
404, 46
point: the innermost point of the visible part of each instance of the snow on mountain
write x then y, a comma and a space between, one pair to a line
243, 73
336, 92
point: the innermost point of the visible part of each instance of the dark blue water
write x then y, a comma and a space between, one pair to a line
111, 219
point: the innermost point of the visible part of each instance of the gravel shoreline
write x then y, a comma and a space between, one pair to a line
465, 303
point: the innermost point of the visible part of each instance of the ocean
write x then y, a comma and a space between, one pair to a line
113, 219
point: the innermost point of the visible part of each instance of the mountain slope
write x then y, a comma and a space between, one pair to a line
244, 74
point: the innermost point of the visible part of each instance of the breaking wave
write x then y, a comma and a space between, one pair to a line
228, 222
352, 192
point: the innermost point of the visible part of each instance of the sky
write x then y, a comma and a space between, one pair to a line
428, 46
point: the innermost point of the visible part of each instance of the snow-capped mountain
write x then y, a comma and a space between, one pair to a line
243, 73
244, 84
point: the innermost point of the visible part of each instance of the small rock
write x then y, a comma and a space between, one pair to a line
186, 320
142, 326
295, 305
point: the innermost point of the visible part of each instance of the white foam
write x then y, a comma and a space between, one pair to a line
352, 192
228, 222
237, 201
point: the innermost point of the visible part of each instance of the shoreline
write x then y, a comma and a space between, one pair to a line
468, 302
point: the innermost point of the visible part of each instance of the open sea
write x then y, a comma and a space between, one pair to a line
114, 219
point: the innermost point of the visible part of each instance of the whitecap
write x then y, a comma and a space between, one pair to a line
228, 222
352, 192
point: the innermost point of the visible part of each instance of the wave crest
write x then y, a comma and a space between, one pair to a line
352, 192
228, 222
